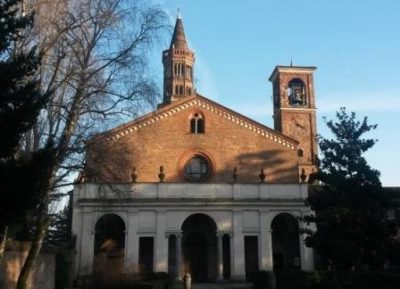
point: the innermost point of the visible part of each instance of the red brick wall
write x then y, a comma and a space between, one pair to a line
298, 123
167, 141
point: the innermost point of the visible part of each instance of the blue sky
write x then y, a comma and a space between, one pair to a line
354, 43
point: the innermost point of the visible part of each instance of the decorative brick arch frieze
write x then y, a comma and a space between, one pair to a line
198, 104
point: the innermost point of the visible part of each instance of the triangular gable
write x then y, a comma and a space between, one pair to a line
204, 103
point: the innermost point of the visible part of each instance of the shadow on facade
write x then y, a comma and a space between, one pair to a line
276, 167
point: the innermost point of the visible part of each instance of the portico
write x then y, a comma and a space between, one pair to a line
206, 230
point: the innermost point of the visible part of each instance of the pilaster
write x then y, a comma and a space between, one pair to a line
161, 244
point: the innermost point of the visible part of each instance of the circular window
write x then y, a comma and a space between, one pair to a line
197, 169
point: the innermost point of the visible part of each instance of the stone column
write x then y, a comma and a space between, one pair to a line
232, 253
178, 241
306, 253
161, 246
266, 261
220, 262
132, 243
239, 272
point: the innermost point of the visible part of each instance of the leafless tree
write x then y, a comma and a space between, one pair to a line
95, 56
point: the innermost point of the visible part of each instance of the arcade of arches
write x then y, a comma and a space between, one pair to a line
199, 248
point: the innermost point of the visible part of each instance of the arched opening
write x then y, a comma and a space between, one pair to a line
109, 246
285, 242
200, 248
296, 92
300, 153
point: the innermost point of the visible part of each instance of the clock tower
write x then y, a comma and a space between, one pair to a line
294, 111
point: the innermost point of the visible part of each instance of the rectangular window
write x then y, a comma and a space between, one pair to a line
251, 255
146, 254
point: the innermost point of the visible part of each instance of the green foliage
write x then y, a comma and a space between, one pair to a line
350, 209
23, 185
20, 96
59, 232
21, 182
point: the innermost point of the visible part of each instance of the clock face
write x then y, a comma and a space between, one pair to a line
300, 127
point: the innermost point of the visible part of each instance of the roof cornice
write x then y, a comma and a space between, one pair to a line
291, 69
203, 103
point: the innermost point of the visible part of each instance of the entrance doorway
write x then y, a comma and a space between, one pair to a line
285, 242
200, 248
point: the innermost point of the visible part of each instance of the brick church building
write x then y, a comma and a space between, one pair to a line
195, 187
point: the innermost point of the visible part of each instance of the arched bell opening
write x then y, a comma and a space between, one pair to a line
285, 242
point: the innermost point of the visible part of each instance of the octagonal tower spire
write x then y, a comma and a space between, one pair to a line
178, 63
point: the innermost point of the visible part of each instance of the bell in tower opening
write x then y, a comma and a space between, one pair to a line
296, 92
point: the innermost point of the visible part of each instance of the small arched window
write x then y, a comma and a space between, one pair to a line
197, 123
181, 89
300, 153
177, 89
188, 72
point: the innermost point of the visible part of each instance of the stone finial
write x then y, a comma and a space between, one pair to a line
235, 175
133, 175
161, 175
262, 176
303, 176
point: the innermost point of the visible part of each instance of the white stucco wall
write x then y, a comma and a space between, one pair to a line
159, 209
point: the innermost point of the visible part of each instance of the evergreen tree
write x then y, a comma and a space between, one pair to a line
350, 209
60, 231
20, 104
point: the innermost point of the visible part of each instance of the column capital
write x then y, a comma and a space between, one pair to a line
173, 233
222, 233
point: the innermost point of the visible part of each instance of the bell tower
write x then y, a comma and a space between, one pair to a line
178, 63
295, 112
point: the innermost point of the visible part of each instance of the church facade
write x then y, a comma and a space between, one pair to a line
195, 187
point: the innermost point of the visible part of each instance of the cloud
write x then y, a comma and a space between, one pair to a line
372, 101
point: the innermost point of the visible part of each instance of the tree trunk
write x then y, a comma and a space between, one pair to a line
40, 234
3, 241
